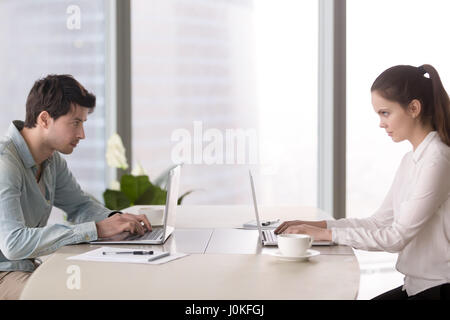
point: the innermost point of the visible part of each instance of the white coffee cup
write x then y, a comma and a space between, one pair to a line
154, 215
294, 245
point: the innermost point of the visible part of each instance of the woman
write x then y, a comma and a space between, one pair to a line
414, 219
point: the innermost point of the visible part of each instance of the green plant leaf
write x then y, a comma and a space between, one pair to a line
143, 183
153, 195
180, 199
115, 200
138, 190
133, 187
160, 196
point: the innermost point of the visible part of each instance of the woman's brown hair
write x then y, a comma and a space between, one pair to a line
404, 83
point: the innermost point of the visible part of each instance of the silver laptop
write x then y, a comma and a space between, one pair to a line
159, 234
267, 236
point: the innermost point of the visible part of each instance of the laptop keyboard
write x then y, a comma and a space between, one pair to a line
155, 234
270, 236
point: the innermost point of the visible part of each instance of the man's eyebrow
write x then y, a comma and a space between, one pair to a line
79, 119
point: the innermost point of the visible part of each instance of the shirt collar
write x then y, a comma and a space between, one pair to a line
21, 146
423, 145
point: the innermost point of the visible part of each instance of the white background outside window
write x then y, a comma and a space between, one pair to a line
231, 65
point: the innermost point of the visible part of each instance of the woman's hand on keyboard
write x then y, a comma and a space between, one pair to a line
283, 227
319, 234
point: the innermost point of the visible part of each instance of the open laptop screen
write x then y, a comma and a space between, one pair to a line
169, 212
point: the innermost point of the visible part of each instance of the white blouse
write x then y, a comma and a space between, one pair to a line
414, 219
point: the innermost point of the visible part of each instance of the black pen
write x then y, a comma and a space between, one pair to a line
129, 252
268, 223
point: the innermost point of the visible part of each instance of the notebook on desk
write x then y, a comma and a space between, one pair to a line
267, 236
159, 234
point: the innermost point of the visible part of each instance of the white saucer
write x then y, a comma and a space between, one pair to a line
309, 253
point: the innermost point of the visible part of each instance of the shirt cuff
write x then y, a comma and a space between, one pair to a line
338, 236
86, 231
330, 223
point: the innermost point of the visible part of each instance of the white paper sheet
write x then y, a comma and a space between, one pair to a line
98, 256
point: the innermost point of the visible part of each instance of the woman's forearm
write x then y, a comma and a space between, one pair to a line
319, 224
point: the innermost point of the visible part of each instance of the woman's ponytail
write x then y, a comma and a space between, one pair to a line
441, 104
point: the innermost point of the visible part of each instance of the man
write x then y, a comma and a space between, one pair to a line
34, 177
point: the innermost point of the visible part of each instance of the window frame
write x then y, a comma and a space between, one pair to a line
332, 108
118, 78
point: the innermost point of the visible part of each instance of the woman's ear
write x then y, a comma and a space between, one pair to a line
414, 108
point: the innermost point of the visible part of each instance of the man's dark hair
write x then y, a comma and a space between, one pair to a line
56, 94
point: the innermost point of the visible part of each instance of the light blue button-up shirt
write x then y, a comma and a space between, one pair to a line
24, 210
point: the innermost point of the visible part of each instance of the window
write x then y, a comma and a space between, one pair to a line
38, 40
202, 67
381, 34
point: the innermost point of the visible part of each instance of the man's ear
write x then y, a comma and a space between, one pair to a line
414, 108
44, 119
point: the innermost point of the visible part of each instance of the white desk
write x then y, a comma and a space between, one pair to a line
224, 263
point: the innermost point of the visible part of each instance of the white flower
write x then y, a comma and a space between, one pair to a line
115, 185
139, 171
115, 153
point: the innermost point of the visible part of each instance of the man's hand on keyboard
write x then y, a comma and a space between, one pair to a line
126, 222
